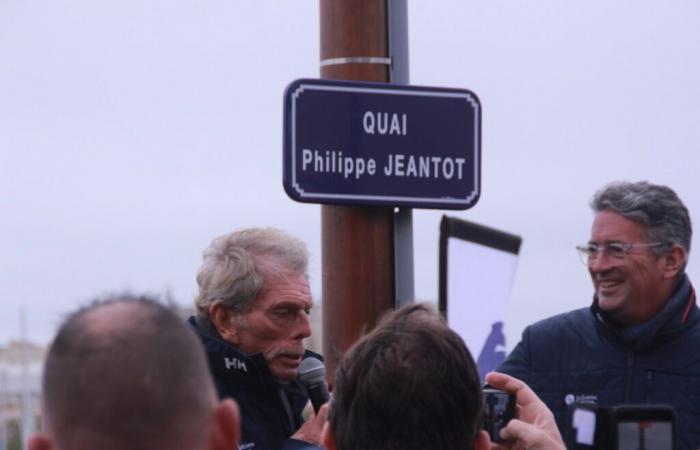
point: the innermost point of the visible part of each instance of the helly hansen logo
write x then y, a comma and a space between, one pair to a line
235, 363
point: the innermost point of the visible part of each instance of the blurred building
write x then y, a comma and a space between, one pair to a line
21, 366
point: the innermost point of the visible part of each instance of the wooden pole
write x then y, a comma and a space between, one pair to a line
357, 242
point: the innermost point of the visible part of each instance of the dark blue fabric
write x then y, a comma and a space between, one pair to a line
582, 356
293, 444
265, 424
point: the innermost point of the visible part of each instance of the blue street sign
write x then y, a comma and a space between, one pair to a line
381, 144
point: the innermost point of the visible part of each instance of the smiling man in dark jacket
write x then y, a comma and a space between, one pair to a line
638, 342
252, 316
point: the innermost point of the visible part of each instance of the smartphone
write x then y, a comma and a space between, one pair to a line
589, 427
623, 427
499, 409
640, 427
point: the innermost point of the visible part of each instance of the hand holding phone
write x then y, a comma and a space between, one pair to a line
534, 427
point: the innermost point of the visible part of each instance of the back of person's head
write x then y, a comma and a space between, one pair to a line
411, 383
235, 266
655, 206
127, 373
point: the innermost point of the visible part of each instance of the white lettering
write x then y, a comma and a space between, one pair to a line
385, 123
424, 166
318, 160
447, 173
411, 169
348, 167
359, 167
371, 166
436, 161
331, 161
395, 129
460, 162
368, 122
382, 128
399, 164
402, 165
235, 363
306, 157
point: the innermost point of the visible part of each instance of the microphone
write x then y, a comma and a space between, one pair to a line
312, 374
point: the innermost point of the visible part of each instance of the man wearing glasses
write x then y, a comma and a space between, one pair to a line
639, 342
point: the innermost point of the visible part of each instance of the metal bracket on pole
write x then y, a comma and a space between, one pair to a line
355, 60
403, 217
403, 256
397, 12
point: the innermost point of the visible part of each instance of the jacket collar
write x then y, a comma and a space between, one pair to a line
227, 362
679, 313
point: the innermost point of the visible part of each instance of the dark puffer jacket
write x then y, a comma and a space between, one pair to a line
582, 357
270, 410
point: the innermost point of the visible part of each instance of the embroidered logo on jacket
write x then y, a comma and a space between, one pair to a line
586, 399
235, 363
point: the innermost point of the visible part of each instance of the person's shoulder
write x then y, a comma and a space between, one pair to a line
568, 322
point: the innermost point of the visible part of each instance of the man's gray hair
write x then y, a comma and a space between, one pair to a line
655, 206
235, 266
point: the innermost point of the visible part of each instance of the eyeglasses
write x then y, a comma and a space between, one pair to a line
617, 250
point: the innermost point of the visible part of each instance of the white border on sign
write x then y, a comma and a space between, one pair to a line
451, 201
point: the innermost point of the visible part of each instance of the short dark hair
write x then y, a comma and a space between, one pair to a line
126, 373
655, 206
409, 384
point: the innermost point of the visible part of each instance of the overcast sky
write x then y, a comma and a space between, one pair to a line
132, 133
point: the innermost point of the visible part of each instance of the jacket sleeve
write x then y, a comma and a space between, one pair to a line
518, 363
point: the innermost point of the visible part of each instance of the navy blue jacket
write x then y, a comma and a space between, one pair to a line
583, 357
270, 410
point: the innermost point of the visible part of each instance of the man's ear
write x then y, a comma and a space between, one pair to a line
226, 429
224, 320
39, 441
673, 260
328, 437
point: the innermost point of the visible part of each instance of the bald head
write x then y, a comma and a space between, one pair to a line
126, 373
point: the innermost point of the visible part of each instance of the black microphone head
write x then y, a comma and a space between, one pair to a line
311, 371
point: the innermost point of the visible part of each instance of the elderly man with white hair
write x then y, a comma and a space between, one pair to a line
252, 316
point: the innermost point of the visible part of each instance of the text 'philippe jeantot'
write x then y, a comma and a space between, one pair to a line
394, 164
